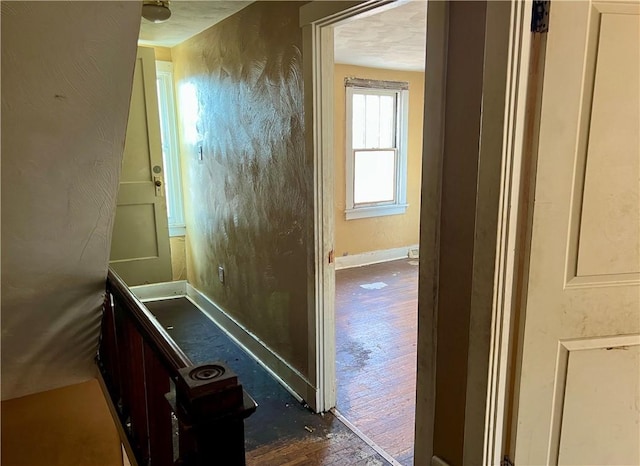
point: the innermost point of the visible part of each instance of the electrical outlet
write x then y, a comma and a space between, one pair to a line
221, 274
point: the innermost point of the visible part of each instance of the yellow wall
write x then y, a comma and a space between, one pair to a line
67, 426
378, 233
178, 258
162, 53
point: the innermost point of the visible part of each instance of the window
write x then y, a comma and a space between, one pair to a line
376, 154
170, 157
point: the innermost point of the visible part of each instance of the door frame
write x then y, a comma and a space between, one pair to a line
503, 187
523, 91
317, 20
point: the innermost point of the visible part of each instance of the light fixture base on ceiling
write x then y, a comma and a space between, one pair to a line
156, 11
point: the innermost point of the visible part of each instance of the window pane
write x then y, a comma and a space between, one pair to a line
387, 120
374, 176
164, 138
358, 113
372, 136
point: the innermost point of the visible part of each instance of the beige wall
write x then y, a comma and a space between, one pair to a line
393, 231
65, 101
239, 92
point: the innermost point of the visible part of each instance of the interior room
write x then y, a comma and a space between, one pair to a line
176, 293
377, 256
394, 53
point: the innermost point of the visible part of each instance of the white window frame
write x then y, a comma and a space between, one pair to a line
171, 155
399, 204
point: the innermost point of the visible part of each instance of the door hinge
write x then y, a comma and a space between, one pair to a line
540, 15
332, 256
506, 461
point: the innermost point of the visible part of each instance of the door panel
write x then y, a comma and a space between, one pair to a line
579, 401
140, 246
601, 378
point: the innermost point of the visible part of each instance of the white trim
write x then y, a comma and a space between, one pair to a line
366, 439
177, 230
374, 257
158, 291
290, 378
172, 175
401, 121
505, 303
375, 211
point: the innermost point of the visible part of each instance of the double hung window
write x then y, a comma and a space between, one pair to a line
170, 158
376, 153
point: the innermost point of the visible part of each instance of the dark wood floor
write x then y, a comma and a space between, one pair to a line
282, 431
376, 334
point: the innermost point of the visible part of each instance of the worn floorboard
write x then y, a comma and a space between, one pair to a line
376, 334
282, 431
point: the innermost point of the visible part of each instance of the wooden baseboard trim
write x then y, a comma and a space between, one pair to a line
375, 257
292, 380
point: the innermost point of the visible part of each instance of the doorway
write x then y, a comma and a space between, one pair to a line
378, 120
394, 70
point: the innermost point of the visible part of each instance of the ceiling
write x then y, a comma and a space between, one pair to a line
393, 38
188, 18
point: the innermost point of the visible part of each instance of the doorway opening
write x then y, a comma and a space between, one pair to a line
374, 99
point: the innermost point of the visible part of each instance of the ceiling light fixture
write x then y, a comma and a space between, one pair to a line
156, 11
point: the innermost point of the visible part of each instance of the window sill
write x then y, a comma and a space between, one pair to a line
375, 211
177, 230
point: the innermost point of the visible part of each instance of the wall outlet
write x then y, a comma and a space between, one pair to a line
221, 274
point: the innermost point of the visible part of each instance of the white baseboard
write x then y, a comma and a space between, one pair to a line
283, 372
156, 291
374, 257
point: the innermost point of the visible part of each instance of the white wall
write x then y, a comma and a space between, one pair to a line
67, 69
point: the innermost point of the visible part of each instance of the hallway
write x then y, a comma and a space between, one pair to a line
281, 431
376, 332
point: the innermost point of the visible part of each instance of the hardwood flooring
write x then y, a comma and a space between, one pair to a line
281, 431
376, 335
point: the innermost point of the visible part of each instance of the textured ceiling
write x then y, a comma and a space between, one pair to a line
393, 39
187, 19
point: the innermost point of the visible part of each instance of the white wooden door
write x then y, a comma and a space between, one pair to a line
579, 397
140, 246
